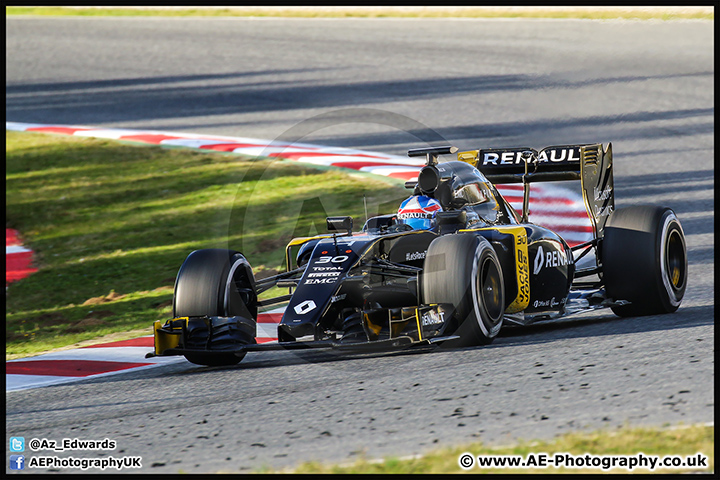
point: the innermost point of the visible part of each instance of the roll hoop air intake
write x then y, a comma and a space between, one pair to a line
429, 177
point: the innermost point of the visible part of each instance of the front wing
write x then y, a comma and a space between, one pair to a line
385, 329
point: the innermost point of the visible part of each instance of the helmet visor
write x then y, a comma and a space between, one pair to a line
418, 223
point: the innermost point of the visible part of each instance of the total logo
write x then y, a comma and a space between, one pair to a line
555, 258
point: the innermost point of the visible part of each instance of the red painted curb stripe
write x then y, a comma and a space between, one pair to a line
569, 228
549, 201
407, 176
149, 138
359, 165
11, 237
296, 155
229, 147
148, 341
17, 266
18, 260
133, 342
67, 368
269, 317
555, 213
60, 130
18, 274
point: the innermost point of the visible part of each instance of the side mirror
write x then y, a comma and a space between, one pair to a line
444, 195
339, 224
449, 222
457, 217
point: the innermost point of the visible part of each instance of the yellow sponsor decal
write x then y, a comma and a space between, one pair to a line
522, 265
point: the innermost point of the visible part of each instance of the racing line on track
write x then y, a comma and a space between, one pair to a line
557, 208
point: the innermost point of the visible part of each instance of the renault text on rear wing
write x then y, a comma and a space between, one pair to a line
589, 163
507, 165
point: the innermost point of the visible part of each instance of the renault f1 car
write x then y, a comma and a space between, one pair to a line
479, 266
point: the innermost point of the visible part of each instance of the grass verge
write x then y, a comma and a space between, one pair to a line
593, 13
111, 223
683, 442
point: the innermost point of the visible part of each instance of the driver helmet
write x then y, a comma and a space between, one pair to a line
418, 212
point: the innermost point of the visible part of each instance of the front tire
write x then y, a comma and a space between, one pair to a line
644, 259
464, 270
216, 283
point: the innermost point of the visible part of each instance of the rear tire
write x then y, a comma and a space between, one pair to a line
644, 259
216, 283
464, 270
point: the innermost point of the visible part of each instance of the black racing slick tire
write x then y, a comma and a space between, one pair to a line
464, 270
644, 260
216, 283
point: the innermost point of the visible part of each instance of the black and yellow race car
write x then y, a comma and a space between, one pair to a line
471, 265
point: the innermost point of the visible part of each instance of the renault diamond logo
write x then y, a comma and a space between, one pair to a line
305, 307
538, 261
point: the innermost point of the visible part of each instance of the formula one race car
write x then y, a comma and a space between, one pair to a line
450, 267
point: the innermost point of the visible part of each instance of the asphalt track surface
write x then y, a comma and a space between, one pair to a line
388, 85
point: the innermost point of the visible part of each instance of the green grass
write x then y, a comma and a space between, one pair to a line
111, 223
595, 13
623, 441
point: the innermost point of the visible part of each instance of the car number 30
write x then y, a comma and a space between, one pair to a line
338, 259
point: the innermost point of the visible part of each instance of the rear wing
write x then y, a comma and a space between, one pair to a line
589, 163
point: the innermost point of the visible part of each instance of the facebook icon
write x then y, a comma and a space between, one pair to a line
17, 462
